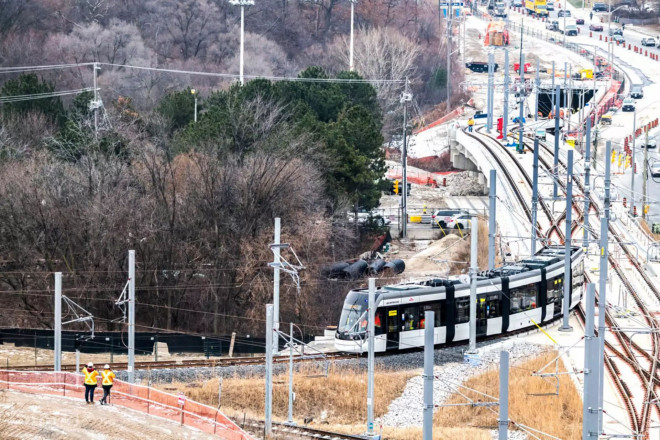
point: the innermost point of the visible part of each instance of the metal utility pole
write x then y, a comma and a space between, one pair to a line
242, 4
370, 361
505, 119
474, 268
429, 319
96, 101
268, 424
350, 62
58, 322
645, 174
590, 405
194, 93
492, 225
406, 97
276, 287
602, 285
587, 186
538, 87
290, 420
569, 98
523, 90
131, 316
449, 29
535, 192
503, 420
489, 94
565, 92
555, 163
565, 327
632, 163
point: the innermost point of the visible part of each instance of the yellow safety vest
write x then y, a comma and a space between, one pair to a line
107, 377
90, 376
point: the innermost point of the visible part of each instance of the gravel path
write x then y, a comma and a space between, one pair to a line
406, 411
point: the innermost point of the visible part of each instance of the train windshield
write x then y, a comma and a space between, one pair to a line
355, 308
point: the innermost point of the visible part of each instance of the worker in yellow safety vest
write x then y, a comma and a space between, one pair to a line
470, 124
107, 379
90, 382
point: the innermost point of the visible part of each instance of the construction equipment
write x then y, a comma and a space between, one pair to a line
536, 7
497, 34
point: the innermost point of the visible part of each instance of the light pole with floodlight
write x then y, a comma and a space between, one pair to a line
194, 93
242, 4
351, 67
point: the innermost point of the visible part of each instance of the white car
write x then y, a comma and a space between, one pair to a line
650, 41
459, 221
540, 133
655, 169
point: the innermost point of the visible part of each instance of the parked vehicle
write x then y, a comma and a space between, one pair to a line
606, 119
579, 20
459, 221
600, 7
628, 105
637, 92
655, 169
650, 41
596, 27
550, 5
517, 3
374, 216
443, 216
651, 143
500, 12
568, 27
564, 13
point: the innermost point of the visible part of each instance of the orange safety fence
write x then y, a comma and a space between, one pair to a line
140, 398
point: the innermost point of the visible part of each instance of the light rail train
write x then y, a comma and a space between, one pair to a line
509, 298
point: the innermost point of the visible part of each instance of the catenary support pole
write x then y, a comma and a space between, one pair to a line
538, 87
449, 38
370, 361
503, 420
645, 175
350, 62
131, 316
535, 193
587, 187
590, 405
429, 320
565, 327
268, 425
96, 101
242, 43
276, 286
474, 268
602, 285
505, 118
290, 419
555, 162
405, 97
632, 165
489, 95
58, 322
492, 214
523, 91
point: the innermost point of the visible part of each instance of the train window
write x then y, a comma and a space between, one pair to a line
462, 310
555, 289
578, 275
410, 318
523, 298
378, 322
493, 306
438, 309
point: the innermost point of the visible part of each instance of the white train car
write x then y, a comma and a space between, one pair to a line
509, 298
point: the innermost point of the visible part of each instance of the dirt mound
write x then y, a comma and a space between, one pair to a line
437, 259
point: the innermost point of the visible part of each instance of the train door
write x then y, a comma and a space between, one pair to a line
392, 328
482, 315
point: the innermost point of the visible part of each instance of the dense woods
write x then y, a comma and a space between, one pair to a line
196, 200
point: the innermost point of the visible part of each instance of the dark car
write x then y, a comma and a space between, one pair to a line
600, 7
651, 143
637, 92
616, 32
596, 27
480, 66
441, 217
564, 13
550, 26
579, 21
619, 39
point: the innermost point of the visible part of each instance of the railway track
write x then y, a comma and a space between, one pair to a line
285, 431
193, 363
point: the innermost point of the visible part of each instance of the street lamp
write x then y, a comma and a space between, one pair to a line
194, 93
242, 4
350, 62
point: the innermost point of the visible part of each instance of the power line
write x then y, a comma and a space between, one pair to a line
33, 96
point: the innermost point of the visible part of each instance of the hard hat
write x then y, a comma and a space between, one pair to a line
106, 366
90, 364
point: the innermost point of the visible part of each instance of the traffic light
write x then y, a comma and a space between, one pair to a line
646, 209
396, 186
613, 156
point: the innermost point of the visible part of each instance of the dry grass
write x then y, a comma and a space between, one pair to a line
559, 415
439, 433
340, 397
645, 226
